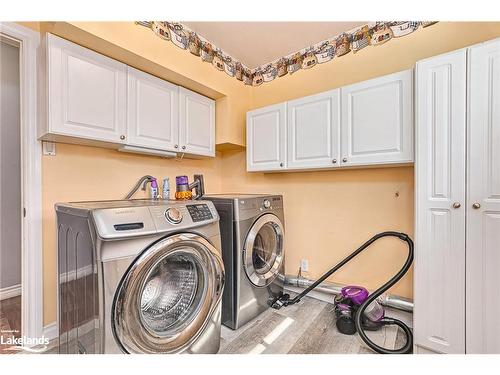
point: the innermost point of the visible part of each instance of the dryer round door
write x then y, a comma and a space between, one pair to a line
166, 298
263, 251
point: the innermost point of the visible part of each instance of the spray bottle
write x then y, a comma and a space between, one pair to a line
154, 189
166, 188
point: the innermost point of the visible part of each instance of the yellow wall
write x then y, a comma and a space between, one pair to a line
348, 205
330, 213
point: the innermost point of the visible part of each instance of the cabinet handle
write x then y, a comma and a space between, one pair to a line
122, 137
183, 147
281, 164
456, 205
176, 146
344, 160
334, 161
476, 206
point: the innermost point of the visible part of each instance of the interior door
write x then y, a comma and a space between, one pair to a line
377, 120
313, 131
483, 201
439, 315
266, 138
196, 123
263, 250
87, 92
168, 295
152, 111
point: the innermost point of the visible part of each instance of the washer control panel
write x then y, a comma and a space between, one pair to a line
180, 215
199, 212
173, 215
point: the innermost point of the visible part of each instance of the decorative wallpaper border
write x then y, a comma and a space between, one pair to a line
371, 34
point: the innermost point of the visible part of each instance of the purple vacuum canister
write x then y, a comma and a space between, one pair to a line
357, 294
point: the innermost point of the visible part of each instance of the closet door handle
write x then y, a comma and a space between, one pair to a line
456, 205
476, 206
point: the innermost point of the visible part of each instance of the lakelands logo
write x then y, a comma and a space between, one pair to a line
24, 343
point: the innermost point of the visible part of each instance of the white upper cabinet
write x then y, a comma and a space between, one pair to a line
483, 201
87, 93
377, 120
313, 131
95, 100
266, 138
367, 123
439, 316
153, 112
196, 123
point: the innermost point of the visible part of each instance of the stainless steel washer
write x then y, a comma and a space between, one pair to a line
139, 276
252, 233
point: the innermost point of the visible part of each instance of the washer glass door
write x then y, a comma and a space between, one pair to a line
263, 251
168, 295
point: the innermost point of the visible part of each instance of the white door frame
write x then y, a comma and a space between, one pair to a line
31, 164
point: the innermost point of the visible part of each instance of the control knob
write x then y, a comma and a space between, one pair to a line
173, 215
266, 203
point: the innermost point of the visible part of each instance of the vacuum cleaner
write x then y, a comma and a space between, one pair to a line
358, 311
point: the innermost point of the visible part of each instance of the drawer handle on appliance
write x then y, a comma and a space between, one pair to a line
129, 226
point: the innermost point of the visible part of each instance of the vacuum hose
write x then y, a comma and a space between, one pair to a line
358, 319
408, 347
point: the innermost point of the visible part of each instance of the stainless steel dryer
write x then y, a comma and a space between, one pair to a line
252, 234
139, 276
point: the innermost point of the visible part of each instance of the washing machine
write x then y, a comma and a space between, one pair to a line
252, 234
139, 276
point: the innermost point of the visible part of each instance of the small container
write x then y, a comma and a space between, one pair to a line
166, 188
154, 189
182, 191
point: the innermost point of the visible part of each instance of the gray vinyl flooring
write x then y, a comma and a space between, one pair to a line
305, 328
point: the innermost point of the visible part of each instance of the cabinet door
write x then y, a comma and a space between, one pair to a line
377, 120
152, 111
196, 123
483, 201
266, 138
313, 131
86, 93
439, 315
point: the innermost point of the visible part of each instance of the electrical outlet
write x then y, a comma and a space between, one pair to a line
49, 148
304, 265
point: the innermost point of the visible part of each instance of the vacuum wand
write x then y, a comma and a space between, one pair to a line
285, 300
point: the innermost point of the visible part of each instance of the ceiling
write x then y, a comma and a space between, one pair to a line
257, 43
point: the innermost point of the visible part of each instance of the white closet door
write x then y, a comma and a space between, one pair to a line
152, 111
313, 129
483, 203
266, 138
377, 120
439, 316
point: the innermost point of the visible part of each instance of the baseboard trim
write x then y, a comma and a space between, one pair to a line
51, 331
10, 292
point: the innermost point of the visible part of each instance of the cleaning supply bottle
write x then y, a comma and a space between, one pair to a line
154, 189
166, 188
